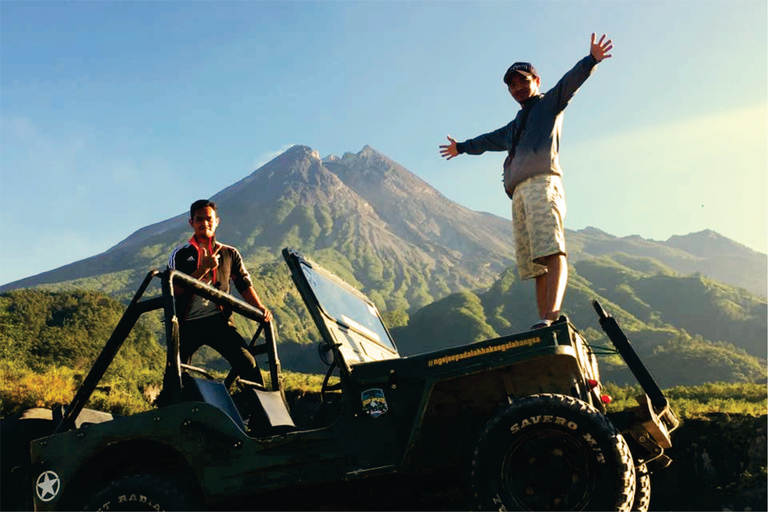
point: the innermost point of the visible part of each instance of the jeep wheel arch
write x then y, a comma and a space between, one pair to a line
136, 457
552, 452
147, 491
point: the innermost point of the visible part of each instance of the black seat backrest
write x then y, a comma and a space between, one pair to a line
211, 392
270, 413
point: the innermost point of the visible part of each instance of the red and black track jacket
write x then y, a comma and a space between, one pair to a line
185, 258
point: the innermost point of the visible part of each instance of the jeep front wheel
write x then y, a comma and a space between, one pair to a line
143, 492
552, 452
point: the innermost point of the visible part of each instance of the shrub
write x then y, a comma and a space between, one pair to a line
697, 401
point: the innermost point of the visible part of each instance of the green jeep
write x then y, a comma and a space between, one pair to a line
512, 423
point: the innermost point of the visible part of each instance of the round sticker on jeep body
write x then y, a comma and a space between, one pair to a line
47, 486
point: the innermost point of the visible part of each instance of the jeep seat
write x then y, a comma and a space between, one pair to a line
269, 414
211, 392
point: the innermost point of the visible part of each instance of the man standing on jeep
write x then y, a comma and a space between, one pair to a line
202, 322
532, 173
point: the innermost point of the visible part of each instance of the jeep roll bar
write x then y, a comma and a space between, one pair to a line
172, 376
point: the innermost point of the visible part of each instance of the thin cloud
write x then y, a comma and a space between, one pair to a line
269, 156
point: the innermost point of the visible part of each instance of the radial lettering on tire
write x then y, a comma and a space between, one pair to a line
143, 492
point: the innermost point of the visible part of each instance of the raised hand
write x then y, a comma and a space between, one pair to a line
449, 150
599, 50
209, 262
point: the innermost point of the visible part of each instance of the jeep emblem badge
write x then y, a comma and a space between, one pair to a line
374, 402
48, 486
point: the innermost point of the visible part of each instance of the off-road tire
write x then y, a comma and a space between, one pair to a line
552, 452
642, 500
156, 492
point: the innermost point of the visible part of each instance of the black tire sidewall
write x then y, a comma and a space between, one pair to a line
588, 434
143, 492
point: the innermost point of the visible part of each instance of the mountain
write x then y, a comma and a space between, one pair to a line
363, 215
705, 252
384, 229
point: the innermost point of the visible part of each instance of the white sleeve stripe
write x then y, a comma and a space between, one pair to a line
172, 259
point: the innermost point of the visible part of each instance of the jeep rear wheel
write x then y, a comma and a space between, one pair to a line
552, 452
143, 492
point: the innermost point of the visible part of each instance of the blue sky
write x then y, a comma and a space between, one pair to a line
116, 115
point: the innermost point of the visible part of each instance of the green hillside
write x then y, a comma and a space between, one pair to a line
687, 329
48, 342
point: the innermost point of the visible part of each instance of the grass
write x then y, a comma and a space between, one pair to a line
22, 388
698, 401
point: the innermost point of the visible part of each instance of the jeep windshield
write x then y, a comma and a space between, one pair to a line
349, 309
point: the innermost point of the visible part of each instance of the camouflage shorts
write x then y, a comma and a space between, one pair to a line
538, 212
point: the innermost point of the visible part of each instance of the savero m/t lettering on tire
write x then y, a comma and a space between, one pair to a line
552, 452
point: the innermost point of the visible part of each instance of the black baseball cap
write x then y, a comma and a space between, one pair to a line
524, 68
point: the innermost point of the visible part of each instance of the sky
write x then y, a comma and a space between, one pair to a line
116, 115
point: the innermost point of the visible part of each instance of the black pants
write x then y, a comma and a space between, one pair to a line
215, 332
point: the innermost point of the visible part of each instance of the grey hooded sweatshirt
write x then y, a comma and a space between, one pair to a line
538, 150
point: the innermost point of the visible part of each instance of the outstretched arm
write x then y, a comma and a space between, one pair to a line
599, 50
497, 140
562, 93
